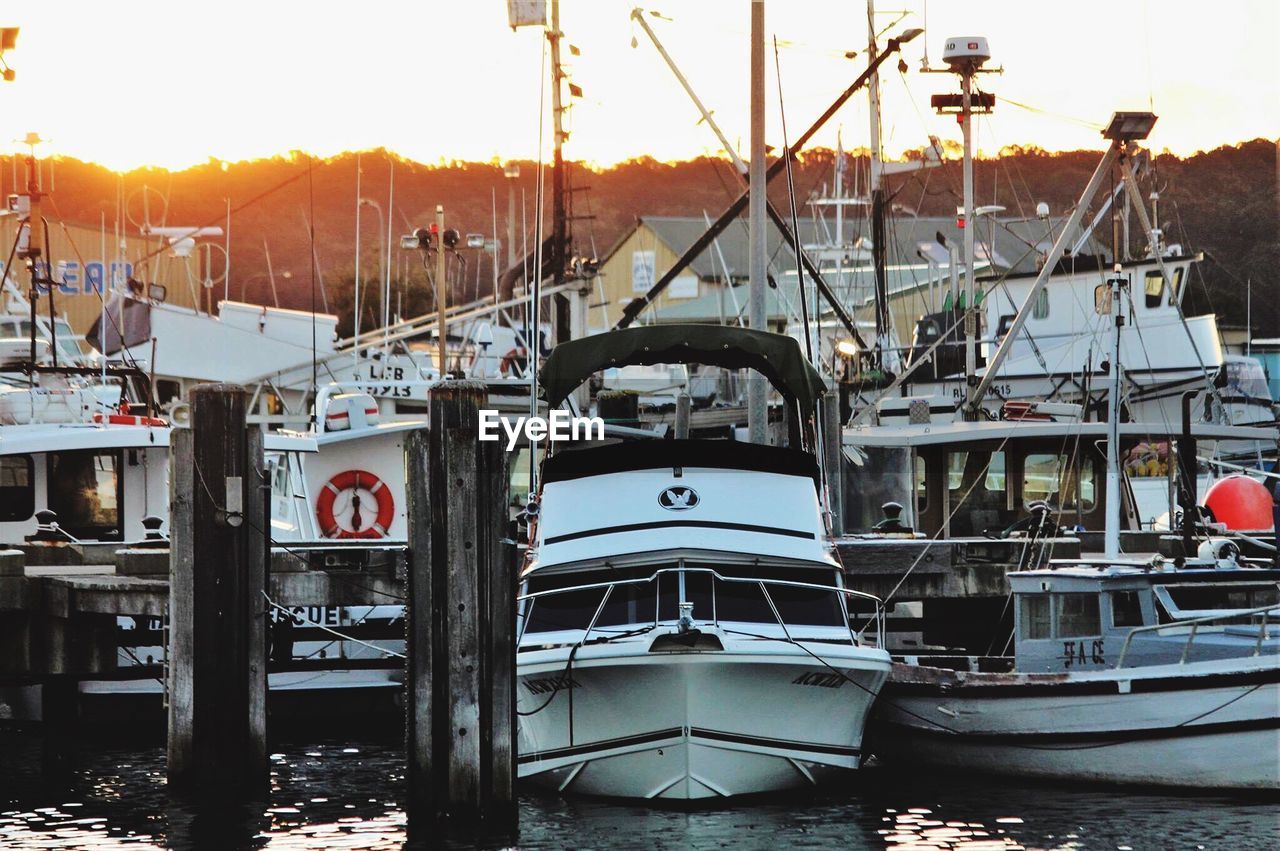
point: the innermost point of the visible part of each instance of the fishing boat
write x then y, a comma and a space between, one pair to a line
682, 632
1159, 668
1123, 671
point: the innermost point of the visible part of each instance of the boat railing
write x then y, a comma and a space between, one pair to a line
1194, 625
857, 637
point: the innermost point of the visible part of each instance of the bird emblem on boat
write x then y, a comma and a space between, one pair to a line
679, 498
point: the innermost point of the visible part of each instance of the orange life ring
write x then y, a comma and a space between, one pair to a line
128, 419
354, 480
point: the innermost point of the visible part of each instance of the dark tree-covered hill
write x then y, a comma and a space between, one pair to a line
1223, 202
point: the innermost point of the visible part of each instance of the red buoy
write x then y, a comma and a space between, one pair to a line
1242, 503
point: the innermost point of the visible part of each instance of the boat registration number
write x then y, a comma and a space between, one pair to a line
1083, 652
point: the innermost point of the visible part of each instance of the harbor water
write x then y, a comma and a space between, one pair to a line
350, 794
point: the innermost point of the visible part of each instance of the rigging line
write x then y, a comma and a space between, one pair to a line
311, 233
980, 477
1092, 125
99, 291
986, 121
255, 199
1184, 486
273, 604
306, 562
564, 682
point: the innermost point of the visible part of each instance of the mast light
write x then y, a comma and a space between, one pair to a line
1129, 126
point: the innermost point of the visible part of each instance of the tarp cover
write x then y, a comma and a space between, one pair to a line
778, 358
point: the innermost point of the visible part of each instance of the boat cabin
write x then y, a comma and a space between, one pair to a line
1086, 616
959, 480
99, 481
647, 531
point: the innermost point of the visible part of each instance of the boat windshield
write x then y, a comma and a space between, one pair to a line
1186, 601
614, 600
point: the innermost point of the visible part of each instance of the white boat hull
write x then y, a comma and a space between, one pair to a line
1207, 725
693, 724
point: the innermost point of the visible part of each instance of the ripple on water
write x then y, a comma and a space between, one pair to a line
348, 795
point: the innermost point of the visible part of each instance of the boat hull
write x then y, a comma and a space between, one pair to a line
692, 725
1212, 725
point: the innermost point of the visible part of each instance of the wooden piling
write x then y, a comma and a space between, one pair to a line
460, 718
217, 608
684, 411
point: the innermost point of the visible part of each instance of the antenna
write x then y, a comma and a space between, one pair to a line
966, 56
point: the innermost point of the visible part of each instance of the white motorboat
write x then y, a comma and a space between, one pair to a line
682, 632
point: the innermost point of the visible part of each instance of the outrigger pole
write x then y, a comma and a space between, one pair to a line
1125, 127
632, 310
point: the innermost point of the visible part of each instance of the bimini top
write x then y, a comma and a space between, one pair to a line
778, 358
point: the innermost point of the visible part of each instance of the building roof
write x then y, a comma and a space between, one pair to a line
1015, 241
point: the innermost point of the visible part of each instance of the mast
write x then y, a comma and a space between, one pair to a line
1111, 535
839, 198
757, 410
355, 328
877, 196
442, 295
559, 219
970, 315
965, 56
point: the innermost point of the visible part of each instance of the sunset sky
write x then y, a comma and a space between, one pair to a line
171, 83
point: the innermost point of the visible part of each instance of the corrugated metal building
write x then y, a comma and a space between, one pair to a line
81, 258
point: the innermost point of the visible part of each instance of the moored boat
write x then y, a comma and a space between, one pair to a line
682, 626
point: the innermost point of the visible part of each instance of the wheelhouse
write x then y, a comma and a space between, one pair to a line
976, 479
1082, 616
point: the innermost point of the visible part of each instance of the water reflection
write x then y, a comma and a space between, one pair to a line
348, 795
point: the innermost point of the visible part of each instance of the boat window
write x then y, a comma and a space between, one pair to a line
1154, 287
84, 490
630, 604
698, 590
977, 496
1176, 275
1036, 621
1078, 615
17, 330
962, 470
1233, 596
922, 490
1126, 608
17, 492
876, 475
167, 390
809, 606
1246, 379
742, 601
668, 597
570, 610
1041, 308
1046, 478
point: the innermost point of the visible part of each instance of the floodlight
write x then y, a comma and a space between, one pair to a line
907, 35
847, 349
1129, 126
